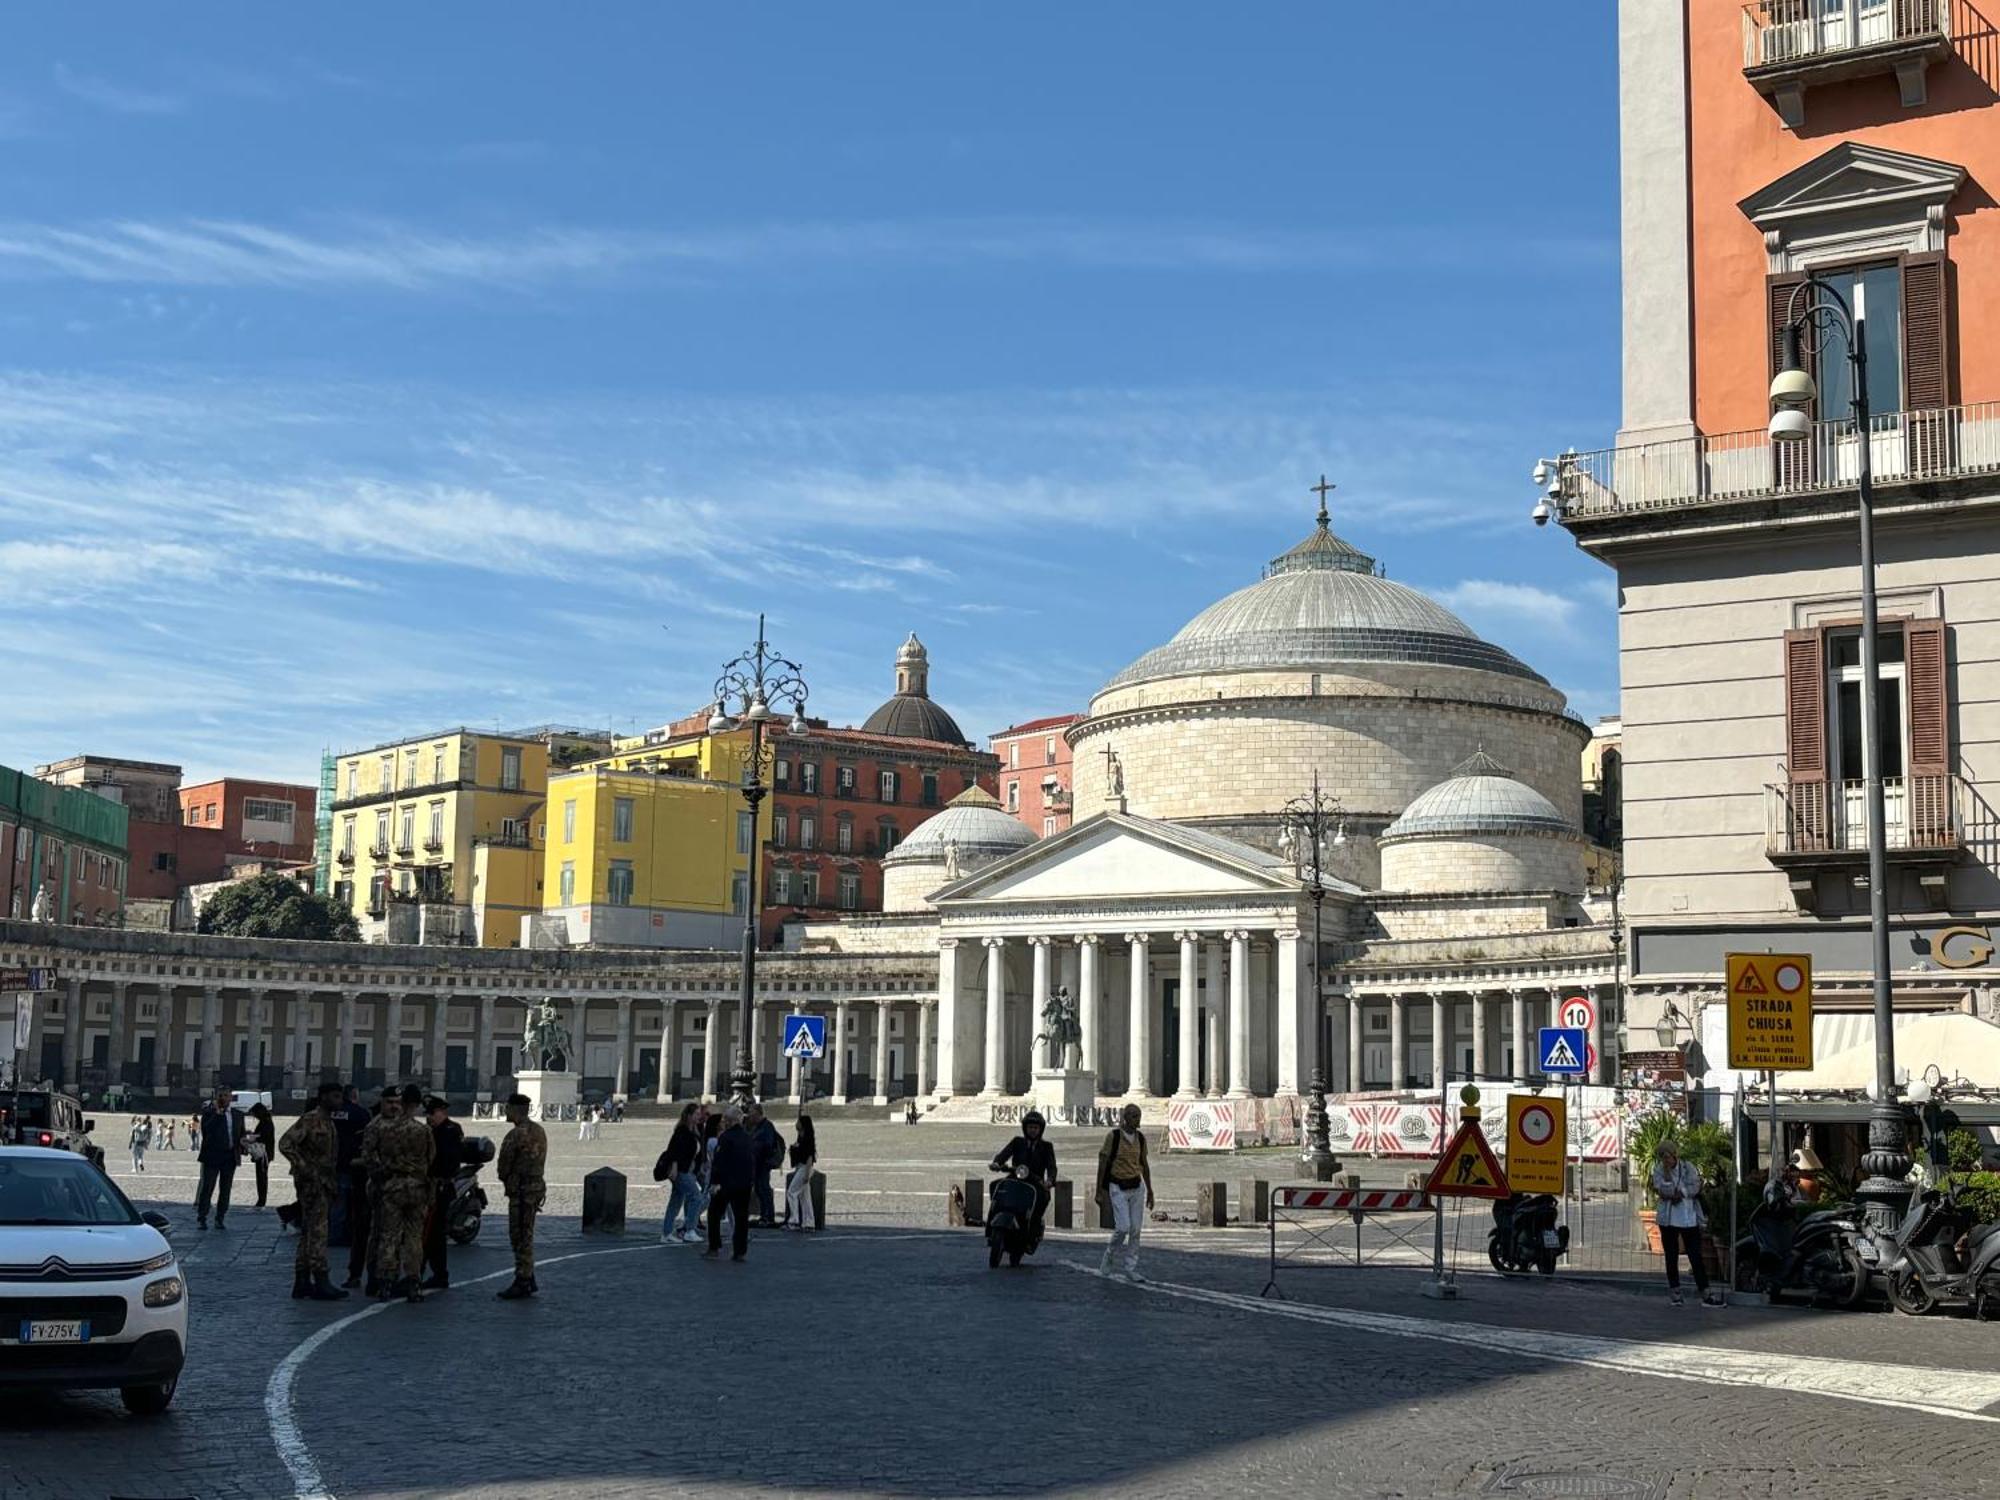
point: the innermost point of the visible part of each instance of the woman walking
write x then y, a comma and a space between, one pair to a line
142, 1137
167, 1141
798, 1187
680, 1167
262, 1138
1677, 1186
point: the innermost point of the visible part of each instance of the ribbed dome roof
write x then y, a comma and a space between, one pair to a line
1321, 604
1481, 798
974, 821
909, 717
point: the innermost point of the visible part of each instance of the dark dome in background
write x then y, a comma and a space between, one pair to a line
911, 715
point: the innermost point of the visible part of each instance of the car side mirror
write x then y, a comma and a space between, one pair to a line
159, 1221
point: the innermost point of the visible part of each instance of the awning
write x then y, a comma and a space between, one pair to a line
1958, 1046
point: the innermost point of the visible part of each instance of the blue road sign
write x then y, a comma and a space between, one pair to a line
1565, 1051
805, 1036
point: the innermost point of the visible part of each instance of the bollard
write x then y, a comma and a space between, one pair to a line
817, 1188
1211, 1204
604, 1201
974, 1191
1063, 1205
1254, 1200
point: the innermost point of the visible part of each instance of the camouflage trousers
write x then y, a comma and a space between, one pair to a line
521, 1232
400, 1226
315, 1204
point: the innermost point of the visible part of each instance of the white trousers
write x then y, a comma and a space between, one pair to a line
798, 1195
1128, 1213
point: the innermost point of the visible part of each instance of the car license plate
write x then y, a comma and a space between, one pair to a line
55, 1333
1551, 1240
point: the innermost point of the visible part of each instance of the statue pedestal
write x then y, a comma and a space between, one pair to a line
545, 1090
1065, 1089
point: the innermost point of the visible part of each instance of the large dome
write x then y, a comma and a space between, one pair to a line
1321, 604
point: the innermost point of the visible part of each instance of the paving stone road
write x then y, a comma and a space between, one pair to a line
883, 1357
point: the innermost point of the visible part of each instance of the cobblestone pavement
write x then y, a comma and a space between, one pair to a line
883, 1357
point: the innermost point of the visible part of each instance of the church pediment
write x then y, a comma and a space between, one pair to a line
1852, 178
1115, 856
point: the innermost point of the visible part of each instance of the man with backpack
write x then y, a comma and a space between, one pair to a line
1125, 1186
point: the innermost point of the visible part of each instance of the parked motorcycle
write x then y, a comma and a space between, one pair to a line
1526, 1236
468, 1198
1010, 1214
1937, 1257
1818, 1253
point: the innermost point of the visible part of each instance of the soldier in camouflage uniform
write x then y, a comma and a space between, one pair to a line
523, 1155
367, 1157
404, 1149
311, 1147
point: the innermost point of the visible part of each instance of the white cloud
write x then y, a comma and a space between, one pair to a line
116, 97
1520, 601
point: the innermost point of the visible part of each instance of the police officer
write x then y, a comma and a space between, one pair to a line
523, 1155
350, 1119
312, 1146
448, 1137
404, 1150
368, 1162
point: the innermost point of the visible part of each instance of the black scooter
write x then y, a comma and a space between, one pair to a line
1937, 1257
468, 1198
1818, 1253
1010, 1217
1526, 1236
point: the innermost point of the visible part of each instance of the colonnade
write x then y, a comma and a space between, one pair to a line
1486, 1032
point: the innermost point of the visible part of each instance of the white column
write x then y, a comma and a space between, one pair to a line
1523, 1057
1239, 1015
1399, 1040
663, 1086
392, 1041
253, 1043
482, 1047
1479, 1020
996, 1017
211, 1037
163, 1038
350, 1000
926, 1078
295, 1050
840, 1053
797, 1091
1141, 1035
1354, 1041
713, 1052
951, 1016
882, 1051
120, 1047
1188, 1085
1217, 1010
621, 1074
73, 1033
1038, 996
758, 1042
1440, 1021
1088, 951
440, 1028
1294, 1053
1600, 996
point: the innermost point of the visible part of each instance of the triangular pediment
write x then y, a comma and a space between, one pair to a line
1115, 856
1852, 178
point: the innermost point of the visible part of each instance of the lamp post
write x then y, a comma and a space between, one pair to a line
1884, 1193
751, 681
1311, 824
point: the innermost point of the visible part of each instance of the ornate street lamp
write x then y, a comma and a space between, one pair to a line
1310, 826
752, 682
1884, 1194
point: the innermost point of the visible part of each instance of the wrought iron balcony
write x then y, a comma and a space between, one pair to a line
1737, 468
1792, 45
378, 850
1826, 822
345, 857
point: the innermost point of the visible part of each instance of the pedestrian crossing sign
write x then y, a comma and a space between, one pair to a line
1468, 1168
805, 1036
1565, 1050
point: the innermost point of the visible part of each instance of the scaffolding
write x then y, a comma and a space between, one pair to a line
323, 828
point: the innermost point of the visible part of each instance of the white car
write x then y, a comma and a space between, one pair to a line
91, 1295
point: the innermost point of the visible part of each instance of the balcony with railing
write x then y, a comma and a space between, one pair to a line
1790, 46
1746, 469
1812, 826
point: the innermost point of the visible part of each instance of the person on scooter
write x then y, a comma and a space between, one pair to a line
1030, 1150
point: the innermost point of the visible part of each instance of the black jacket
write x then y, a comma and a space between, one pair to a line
769, 1146
449, 1139
735, 1168
683, 1153
349, 1120
1039, 1157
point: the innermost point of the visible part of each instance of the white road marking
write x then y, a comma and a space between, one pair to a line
282, 1413
1965, 1395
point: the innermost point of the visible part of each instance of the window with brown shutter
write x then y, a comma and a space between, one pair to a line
1930, 791
1807, 807
1926, 332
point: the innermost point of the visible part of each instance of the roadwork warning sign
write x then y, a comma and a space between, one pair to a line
1770, 1010
1468, 1168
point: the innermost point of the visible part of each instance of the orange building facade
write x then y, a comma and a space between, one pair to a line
1034, 773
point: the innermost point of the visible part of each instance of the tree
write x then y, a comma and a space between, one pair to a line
276, 906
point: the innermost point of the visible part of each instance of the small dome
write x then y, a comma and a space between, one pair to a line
1322, 603
974, 821
909, 717
1482, 798
913, 650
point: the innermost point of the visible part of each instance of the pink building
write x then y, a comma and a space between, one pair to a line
1034, 772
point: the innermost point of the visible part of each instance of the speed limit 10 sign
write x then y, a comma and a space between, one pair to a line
1577, 1013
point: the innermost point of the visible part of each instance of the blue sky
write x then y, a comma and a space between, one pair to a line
374, 368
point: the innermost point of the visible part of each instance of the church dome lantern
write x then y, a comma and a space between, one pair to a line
910, 714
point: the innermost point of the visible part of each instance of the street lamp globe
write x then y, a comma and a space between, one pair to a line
759, 710
719, 722
1790, 424
799, 728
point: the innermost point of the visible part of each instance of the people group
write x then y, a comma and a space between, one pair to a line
718, 1162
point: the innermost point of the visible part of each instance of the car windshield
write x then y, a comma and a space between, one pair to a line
27, 1109
50, 1190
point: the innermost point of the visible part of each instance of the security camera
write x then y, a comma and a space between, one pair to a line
1542, 512
1554, 493
1541, 474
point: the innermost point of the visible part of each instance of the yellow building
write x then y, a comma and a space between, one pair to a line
437, 838
650, 847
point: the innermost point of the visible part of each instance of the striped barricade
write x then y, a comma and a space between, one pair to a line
1311, 1208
